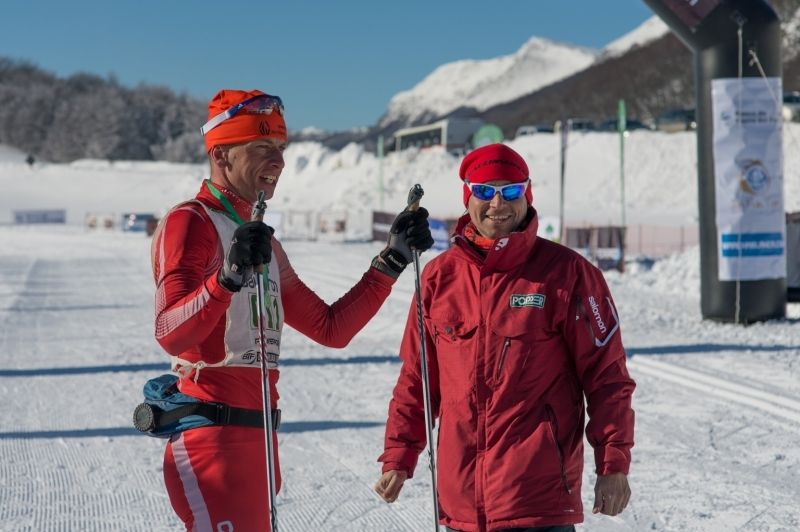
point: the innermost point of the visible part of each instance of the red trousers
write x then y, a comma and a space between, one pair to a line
216, 478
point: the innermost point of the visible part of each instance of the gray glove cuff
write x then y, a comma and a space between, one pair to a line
382, 266
398, 243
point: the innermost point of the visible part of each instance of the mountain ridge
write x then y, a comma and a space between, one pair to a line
481, 84
59, 119
649, 68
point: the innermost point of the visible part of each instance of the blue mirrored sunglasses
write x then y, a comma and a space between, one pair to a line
262, 104
508, 192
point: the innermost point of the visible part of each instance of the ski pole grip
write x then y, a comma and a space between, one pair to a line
414, 195
259, 208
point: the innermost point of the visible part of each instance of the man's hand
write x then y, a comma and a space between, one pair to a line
410, 231
611, 494
390, 484
250, 247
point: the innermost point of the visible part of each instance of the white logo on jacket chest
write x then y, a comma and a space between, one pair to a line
500, 244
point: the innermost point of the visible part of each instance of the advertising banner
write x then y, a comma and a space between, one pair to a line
748, 178
440, 229
793, 256
40, 216
381, 223
440, 232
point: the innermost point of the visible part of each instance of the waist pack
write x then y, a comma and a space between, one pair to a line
166, 411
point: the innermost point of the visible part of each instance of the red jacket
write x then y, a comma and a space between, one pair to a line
191, 304
515, 341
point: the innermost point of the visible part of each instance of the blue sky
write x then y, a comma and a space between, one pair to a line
335, 63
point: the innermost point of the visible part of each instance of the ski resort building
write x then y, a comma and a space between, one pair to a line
454, 134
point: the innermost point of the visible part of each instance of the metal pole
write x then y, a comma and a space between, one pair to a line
621, 127
380, 170
258, 215
565, 126
413, 204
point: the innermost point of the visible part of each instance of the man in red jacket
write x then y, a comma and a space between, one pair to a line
203, 255
518, 331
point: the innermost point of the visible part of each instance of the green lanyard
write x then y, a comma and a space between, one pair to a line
233, 215
231, 212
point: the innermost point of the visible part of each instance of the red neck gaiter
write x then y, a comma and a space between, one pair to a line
480, 242
483, 244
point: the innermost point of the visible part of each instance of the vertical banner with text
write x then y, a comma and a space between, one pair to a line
748, 178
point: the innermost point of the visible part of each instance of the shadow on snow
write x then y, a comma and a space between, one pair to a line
163, 366
288, 427
688, 349
69, 308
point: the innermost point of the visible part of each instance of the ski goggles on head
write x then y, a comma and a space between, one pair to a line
263, 104
508, 192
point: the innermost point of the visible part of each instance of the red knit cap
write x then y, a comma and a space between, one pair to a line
494, 162
243, 126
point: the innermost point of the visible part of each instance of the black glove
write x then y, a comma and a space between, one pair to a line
250, 247
410, 231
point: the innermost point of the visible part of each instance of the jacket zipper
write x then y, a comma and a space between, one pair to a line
502, 359
554, 433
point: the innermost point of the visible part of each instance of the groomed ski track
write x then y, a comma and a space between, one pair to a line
717, 406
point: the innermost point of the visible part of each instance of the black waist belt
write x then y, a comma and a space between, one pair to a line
218, 413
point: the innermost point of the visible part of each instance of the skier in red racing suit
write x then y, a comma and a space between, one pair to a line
518, 331
203, 254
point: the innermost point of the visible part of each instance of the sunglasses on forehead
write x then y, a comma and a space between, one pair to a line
263, 104
508, 192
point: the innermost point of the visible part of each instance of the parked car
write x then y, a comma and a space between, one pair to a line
528, 129
545, 128
630, 125
580, 124
676, 120
138, 221
791, 106
523, 131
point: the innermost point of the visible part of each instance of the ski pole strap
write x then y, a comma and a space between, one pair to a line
149, 418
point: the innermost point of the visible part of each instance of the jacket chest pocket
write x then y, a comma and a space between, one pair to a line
455, 343
516, 352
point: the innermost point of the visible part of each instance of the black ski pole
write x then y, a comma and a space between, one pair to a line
258, 215
414, 195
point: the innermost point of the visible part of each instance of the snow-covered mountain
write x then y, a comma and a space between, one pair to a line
650, 29
481, 84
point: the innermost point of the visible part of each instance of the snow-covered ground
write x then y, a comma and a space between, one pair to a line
717, 406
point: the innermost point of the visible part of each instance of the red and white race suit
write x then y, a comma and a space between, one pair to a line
216, 476
515, 341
